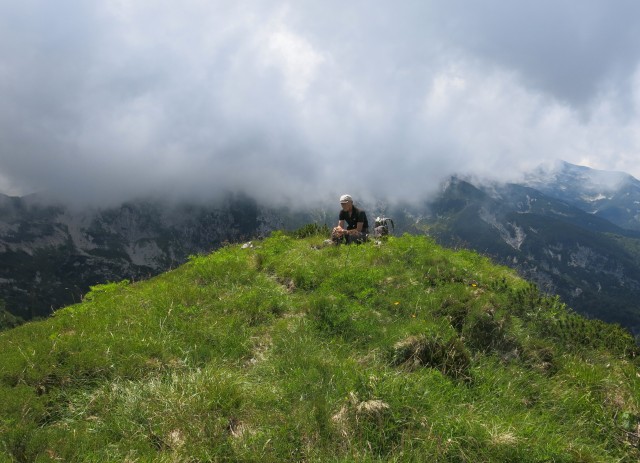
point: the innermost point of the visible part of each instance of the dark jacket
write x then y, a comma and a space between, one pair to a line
357, 215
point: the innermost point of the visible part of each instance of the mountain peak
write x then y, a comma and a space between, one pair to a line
572, 176
614, 196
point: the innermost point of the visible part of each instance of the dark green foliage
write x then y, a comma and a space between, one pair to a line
312, 229
528, 301
540, 356
578, 332
488, 329
7, 319
456, 311
450, 357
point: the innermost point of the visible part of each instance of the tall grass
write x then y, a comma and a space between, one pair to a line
296, 351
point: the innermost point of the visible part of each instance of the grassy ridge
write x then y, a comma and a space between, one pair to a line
291, 351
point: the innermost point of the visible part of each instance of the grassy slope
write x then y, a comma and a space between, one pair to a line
290, 351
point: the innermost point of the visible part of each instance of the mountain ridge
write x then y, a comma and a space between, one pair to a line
580, 256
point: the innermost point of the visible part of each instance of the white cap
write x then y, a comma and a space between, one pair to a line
346, 199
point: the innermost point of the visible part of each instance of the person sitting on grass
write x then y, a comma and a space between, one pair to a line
353, 226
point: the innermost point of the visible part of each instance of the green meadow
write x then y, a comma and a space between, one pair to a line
293, 351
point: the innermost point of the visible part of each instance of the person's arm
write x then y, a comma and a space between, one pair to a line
342, 226
357, 230
340, 229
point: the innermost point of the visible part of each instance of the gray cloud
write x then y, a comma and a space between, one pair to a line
106, 100
571, 49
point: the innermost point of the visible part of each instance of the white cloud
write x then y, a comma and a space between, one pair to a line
295, 57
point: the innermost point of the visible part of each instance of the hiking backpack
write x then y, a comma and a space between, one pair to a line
384, 226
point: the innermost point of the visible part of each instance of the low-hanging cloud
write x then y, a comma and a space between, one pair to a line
102, 101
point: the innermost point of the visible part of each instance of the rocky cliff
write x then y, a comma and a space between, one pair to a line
51, 254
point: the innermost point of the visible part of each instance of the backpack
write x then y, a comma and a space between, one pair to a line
383, 226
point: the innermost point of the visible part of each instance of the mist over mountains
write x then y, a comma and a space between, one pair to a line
572, 230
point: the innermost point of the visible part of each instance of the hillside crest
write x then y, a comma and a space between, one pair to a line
288, 350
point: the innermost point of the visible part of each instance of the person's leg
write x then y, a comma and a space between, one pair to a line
359, 238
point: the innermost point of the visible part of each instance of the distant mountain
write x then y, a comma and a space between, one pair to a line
614, 196
52, 254
590, 261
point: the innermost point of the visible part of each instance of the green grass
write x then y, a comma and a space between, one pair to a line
294, 351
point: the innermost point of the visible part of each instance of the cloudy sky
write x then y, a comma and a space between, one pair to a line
105, 99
